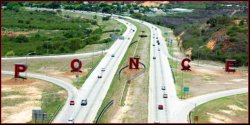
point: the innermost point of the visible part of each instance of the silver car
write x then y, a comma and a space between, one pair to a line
163, 88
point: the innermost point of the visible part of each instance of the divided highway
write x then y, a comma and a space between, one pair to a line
162, 91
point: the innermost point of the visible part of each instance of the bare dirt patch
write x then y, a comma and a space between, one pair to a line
17, 81
132, 72
202, 80
236, 108
218, 118
21, 97
14, 34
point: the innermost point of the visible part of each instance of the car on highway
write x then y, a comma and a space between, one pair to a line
99, 76
72, 102
165, 95
113, 55
71, 120
158, 49
103, 69
84, 102
154, 57
163, 87
153, 44
160, 107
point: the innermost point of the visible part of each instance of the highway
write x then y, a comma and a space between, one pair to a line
80, 55
94, 89
174, 109
71, 90
160, 75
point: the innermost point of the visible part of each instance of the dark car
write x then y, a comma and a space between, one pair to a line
84, 102
113, 55
165, 95
163, 87
160, 107
72, 102
154, 57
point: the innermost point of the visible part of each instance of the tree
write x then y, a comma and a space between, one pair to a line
212, 22
22, 39
95, 17
106, 9
53, 5
13, 6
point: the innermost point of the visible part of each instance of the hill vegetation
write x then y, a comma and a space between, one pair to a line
221, 29
42, 32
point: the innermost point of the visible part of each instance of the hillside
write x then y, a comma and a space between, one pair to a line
222, 30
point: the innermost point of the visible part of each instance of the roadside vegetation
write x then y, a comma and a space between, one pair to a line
231, 109
48, 32
52, 101
213, 31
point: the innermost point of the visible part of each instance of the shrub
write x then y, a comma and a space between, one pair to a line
20, 21
22, 39
10, 53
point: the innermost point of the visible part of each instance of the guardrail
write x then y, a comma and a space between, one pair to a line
173, 73
54, 115
103, 110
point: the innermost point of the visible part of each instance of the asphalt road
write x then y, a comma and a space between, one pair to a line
95, 89
182, 108
57, 56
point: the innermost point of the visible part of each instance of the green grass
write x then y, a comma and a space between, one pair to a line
215, 106
13, 102
64, 35
51, 103
9, 93
116, 87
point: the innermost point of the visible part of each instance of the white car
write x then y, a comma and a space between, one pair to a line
71, 120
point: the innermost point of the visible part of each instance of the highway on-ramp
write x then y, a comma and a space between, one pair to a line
66, 110
77, 55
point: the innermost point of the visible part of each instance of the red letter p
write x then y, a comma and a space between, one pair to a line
19, 68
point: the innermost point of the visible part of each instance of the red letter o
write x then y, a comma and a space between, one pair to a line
76, 69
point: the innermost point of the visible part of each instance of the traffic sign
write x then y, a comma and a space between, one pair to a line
186, 89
